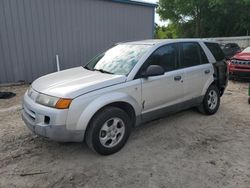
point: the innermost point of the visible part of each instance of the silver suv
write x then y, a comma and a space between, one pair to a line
125, 86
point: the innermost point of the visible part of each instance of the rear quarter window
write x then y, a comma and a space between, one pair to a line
215, 50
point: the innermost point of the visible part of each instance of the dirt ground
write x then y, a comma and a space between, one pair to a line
183, 150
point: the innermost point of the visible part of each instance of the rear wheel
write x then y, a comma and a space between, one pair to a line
108, 131
211, 101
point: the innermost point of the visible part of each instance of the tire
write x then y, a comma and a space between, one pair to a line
211, 101
249, 100
108, 131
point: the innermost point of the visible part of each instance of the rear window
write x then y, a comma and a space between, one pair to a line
215, 50
234, 45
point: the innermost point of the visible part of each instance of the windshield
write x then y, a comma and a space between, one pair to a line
118, 60
247, 50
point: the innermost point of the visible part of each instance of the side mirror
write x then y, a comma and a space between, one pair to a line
153, 70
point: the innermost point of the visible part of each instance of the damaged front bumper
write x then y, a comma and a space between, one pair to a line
47, 122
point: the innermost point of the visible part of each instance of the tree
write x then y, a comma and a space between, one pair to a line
166, 32
207, 18
184, 11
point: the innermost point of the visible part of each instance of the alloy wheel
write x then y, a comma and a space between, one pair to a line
212, 100
112, 132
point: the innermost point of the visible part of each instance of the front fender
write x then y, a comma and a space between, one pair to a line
102, 101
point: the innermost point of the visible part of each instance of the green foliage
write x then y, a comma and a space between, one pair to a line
206, 18
168, 32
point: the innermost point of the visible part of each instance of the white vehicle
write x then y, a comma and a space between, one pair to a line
123, 87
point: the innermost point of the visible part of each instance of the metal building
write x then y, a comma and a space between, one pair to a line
32, 32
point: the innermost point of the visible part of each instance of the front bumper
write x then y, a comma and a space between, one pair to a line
239, 74
239, 71
34, 114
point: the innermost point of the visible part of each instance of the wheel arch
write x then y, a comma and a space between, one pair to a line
125, 106
120, 100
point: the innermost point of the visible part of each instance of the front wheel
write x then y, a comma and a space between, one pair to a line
211, 101
108, 131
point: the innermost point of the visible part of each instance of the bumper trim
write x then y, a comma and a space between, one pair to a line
57, 133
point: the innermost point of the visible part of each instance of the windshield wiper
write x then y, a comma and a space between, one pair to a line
103, 71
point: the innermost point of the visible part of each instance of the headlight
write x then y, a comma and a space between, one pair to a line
47, 100
53, 102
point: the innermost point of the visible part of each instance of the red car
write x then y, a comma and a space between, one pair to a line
239, 65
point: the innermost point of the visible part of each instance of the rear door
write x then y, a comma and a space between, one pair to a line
197, 69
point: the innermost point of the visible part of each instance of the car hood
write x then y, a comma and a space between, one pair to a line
242, 56
73, 82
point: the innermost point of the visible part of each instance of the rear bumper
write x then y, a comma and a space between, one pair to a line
34, 115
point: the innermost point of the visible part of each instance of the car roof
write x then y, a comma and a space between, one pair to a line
165, 41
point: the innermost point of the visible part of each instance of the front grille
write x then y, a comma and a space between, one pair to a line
241, 62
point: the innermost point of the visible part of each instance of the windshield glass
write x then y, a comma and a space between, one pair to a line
118, 60
247, 50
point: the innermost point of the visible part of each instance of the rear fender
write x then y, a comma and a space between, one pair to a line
208, 83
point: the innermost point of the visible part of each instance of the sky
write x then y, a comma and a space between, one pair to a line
157, 18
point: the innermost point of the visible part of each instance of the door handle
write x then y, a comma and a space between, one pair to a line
207, 71
177, 78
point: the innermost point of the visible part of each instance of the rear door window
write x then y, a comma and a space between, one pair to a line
190, 54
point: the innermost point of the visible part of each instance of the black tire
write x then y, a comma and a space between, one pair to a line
207, 108
92, 138
249, 100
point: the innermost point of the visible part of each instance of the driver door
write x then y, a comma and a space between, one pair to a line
163, 91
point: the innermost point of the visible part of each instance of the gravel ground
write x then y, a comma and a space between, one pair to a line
183, 150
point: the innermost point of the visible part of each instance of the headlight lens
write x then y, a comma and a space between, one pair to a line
53, 102
47, 100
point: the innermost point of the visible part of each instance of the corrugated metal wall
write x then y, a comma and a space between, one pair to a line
32, 32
